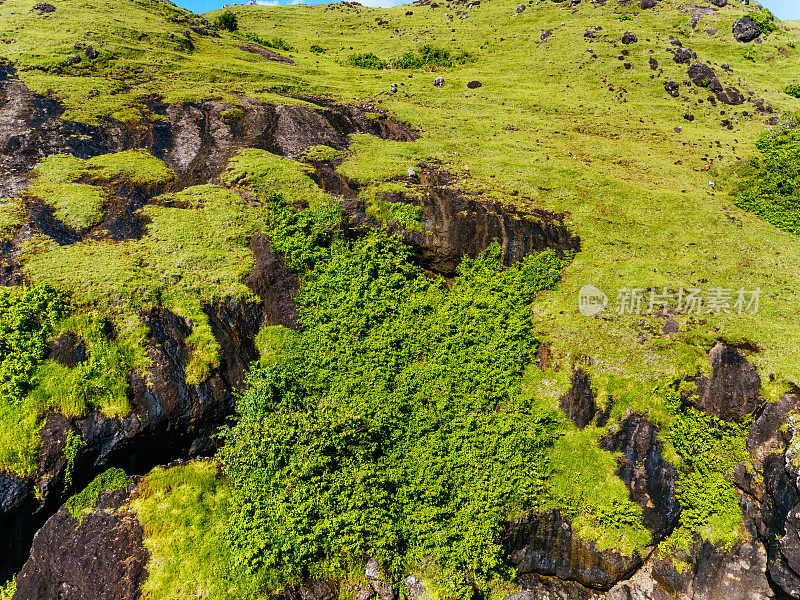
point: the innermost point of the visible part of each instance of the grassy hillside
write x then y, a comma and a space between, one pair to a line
567, 118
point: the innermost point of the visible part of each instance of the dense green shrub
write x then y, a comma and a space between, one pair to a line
709, 449
276, 43
316, 49
429, 55
27, 316
7, 591
765, 20
770, 183
86, 500
367, 60
227, 20
793, 89
393, 425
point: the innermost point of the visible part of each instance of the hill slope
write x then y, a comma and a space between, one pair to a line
169, 186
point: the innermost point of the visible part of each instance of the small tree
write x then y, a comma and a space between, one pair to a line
227, 20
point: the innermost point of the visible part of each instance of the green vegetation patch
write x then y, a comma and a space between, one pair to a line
770, 183
12, 215
395, 424
430, 56
793, 89
184, 514
85, 501
764, 19
708, 449
227, 20
8, 590
137, 167
367, 60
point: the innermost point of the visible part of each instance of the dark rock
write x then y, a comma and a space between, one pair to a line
520, 8
18, 522
688, 117
103, 558
738, 573
677, 129
712, 32
768, 434
719, 3
313, 589
730, 96
474, 84
761, 105
649, 477
456, 224
700, 12
90, 53
72, 60
629, 38
673, 582
44, 8
745, 29
545, 34
671, 326
653, 64
672, 88
579, 402
683, 55
273, 283
542, 587
439, 81
544, 543
67, 349
675, 41
780, 500
648, 4
704, 76
732, 391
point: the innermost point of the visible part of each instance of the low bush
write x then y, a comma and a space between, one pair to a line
793, 89
227, 20
430, 56
765, 20
367, 60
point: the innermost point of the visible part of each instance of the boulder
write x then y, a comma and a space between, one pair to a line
648, 4
474, 84
653, 64
745, 29
672, 88
703, 75
67, 349
90, 53
683, 55
520, 8
732, 391
719, 3
629, 38
379, 581
439, 81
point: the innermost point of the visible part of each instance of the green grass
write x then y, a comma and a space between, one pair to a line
183, 511
86, 500
12, 215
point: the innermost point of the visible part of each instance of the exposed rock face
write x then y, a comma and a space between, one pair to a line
311, 590
732, 390
745, 29
457, 224
649, 477
102, 558
68, 349
545, 544
273, 283
738, 574
579, 402
170, 419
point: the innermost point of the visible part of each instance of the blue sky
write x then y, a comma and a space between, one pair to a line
783, 9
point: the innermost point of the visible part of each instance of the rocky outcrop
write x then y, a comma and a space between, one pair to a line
578, 402
457, 223
745, 30
649, 477
544, 544
170, 419
732, 391
273, 283
102, 558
